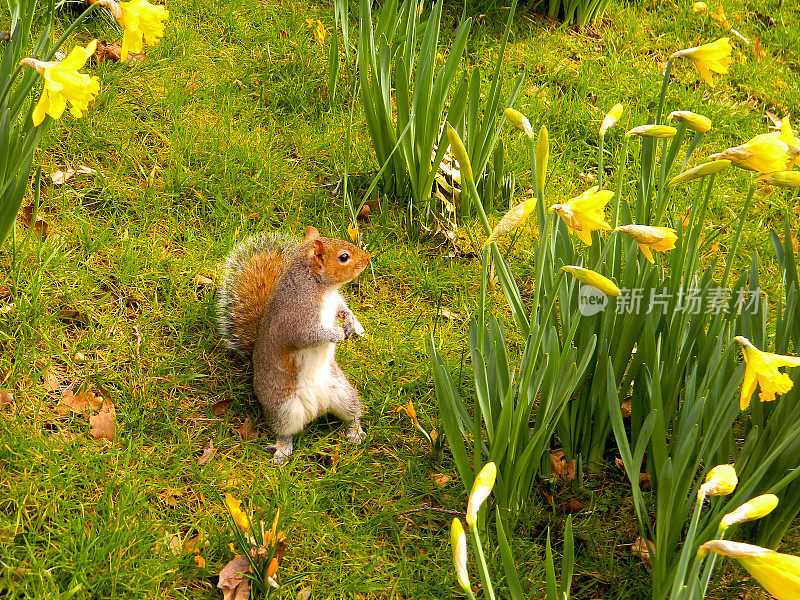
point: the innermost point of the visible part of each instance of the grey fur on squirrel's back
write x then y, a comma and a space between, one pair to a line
230, 304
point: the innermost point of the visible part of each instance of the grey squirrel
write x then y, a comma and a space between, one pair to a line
278, 302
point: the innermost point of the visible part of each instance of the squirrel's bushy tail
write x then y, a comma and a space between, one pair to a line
249, 274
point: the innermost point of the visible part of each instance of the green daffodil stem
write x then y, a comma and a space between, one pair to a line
688, 549
735, 244
710, 562
664, 86
600, 161
698, 136
483, 571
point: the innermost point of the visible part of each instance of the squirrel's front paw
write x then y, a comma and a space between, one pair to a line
339, 334
283, 449
353, 327
356, 435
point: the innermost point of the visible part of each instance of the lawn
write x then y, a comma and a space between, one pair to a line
225, 129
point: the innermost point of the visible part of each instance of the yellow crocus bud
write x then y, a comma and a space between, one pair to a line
520, 121
63, 82
651, 238
460, 152
692, 120
704, 170
720, 481
593, 278
481, 488
459, 542
542, 154
778, 573
781, 179
762, 369
758, 507
714, 57
585, 213
611, 118
653, 131
239, 516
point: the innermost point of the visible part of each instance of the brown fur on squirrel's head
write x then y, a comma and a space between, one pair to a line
335, 261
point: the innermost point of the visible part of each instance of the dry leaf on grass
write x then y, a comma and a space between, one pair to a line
202, 280
104, 423
440, 479
208, 452
625, 408
643, 548
232, 582
171, 497
304, 594
561, 467
61, 177
6, 398
645, 481
247, 432
450, 315
221, 407
82, 402
40, 226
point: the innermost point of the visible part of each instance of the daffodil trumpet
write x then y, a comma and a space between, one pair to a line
141, 21
762, 371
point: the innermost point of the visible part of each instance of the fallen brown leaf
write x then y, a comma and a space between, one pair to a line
202, 280
619, 464
363, 214
106, 51
171, 497
61, 177
247, 432
221, 407
561, 467
625, 408
104, 423
643, 548
232, 580
82, 402
51, 381
440, 479
40, 226
208, 452
304, 594
645, 481
5, 293
450, 315
73, 316
6, 398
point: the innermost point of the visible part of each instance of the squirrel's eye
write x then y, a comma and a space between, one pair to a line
344, 257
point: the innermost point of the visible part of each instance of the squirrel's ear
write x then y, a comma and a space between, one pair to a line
311, 233
319, 252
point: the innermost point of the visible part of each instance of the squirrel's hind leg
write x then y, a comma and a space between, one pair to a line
283, 447
346, 405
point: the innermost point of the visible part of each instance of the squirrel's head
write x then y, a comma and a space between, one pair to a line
336, 261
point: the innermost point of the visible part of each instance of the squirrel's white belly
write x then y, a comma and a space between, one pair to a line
315, 383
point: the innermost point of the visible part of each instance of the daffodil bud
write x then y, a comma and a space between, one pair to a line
481, 488
653, 131
651, 238
692, 120
782, 179
758, 507
778, 573
611, 118
542, 154
593, 278
512, 219
458, 540
460, 152
704, 170
517, 119
720, 481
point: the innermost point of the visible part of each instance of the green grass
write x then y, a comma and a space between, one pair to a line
225, 130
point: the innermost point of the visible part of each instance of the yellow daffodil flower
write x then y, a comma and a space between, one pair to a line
758, 507
352, 232
513, 219
762, 369
653, 131
542, 154
317, 30
765, 153
520, 121
460, 153
239, 516
481, 488
650, 238
720, 481
787, 137
781, 179
593, 278
585, 213
778, 573
714, 57
693, 121
459, 542
699, 7
704, 170
141, 21
611, 118
62, 82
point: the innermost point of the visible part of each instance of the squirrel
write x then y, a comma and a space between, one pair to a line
279, 302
